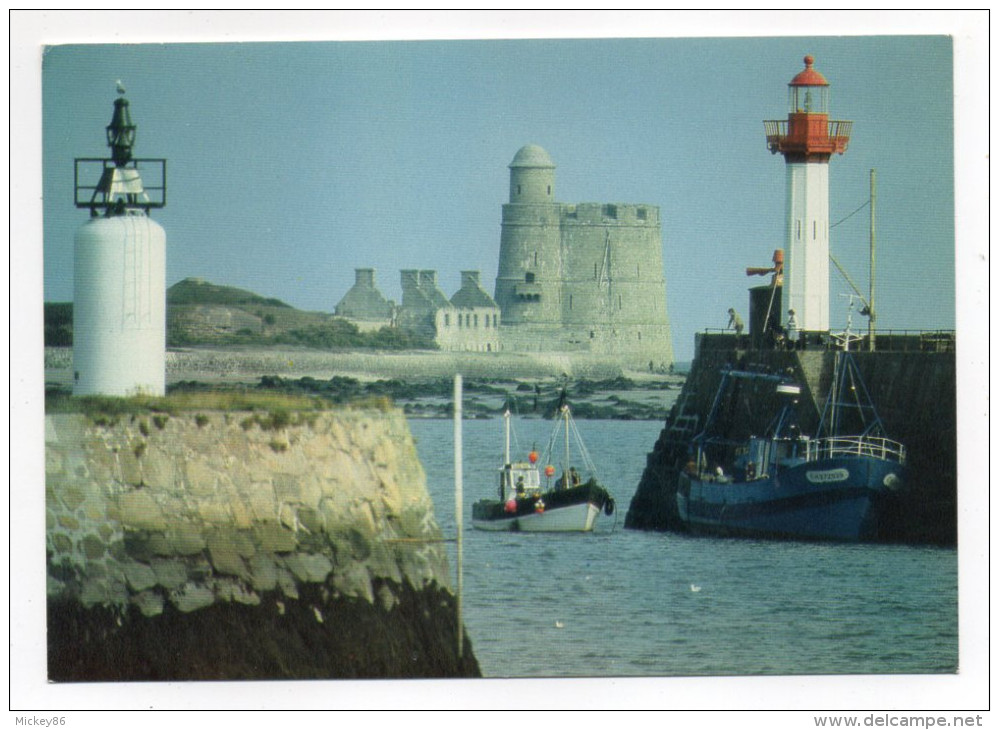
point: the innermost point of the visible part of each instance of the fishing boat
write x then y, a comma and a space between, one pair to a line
525, 503
784, 484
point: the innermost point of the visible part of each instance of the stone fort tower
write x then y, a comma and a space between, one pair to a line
584, 277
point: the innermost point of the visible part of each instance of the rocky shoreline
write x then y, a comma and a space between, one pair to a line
305, 638
419, 382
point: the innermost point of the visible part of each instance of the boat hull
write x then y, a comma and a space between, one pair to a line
570, 510
833, 499
574, 518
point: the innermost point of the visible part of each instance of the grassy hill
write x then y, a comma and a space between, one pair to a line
198, 291
202, 313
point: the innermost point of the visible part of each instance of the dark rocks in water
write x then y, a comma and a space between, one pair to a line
406, 634
485, 398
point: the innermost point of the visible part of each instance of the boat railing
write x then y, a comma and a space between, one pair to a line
874, 446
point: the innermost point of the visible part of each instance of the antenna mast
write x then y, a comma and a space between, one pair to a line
870, 300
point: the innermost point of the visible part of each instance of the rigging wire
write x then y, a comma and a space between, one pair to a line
550, 448
511, 405
844, 220
840, 268
587, 459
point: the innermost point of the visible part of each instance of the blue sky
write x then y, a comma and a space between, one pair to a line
292, 164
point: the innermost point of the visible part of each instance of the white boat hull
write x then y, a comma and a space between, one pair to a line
571, 518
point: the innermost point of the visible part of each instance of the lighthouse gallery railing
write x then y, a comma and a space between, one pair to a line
776, 131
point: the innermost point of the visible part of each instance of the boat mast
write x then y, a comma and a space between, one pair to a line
870, 299
507, 481
834, 396
565, 411
506, 449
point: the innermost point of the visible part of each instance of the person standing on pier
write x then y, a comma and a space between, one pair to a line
735, 321
793, 333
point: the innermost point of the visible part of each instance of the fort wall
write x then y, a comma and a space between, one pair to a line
585, 277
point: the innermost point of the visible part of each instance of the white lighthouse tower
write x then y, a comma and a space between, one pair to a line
807, 139
119, 280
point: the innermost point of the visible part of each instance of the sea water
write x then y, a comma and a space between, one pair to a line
622, 602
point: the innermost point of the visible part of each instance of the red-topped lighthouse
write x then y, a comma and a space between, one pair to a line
807, 139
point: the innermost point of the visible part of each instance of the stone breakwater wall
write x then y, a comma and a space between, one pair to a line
187, 546
394, 364
210, 364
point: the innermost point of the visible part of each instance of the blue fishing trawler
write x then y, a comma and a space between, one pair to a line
784, 484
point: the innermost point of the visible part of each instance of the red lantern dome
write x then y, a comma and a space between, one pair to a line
809, 77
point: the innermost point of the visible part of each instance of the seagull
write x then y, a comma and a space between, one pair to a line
695, 588
559, 625
120, 86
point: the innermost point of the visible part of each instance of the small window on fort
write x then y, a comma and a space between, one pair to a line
476, 320
642, 215
518, 190
447, 320
610, 211
570, 301
549, 189
495, 320
535, 258
591, 334
529, 277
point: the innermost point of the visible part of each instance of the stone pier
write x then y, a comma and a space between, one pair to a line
239, 545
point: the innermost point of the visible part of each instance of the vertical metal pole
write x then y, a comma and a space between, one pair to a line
870, 300
565, 413
458, 517
506, 437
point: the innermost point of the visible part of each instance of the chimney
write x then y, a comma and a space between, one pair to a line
428, 278
470, 279
410, 280
365, 278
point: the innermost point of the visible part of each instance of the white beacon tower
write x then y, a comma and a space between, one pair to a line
119, 280
807, 139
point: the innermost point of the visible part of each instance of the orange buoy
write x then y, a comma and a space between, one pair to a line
533, 457
511, 505
549, 471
